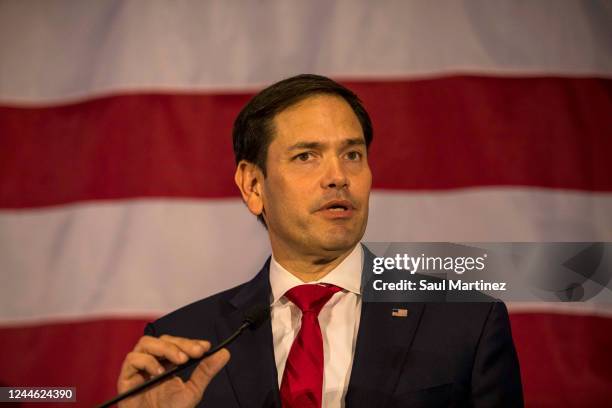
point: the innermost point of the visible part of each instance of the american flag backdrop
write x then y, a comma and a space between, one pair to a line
492, 122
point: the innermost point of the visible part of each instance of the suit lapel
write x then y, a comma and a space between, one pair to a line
382, 345
252, 368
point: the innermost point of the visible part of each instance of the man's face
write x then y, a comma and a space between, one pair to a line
315, 196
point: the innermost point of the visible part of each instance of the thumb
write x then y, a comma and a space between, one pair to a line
208, 368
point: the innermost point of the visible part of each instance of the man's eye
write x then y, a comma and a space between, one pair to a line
303, 156
354, 155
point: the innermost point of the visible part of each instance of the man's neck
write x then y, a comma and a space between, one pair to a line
310, 268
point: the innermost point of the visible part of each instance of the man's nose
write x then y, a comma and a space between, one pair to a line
335, 175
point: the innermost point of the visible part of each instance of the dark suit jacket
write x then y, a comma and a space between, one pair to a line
441, 355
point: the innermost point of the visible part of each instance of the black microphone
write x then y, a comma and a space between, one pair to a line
253, 318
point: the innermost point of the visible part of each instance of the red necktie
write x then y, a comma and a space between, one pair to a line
302, 383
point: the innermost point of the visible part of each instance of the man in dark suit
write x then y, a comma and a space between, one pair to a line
301, 149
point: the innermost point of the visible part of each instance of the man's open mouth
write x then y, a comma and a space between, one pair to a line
338, 205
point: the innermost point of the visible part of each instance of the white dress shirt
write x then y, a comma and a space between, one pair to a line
339, 321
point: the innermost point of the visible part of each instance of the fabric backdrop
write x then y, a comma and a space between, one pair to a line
493, 122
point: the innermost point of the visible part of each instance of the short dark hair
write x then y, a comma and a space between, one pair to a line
253, 131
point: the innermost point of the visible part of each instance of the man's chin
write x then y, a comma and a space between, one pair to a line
339, 243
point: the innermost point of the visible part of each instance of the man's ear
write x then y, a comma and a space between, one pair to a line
249, 179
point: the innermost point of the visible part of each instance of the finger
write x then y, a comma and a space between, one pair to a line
208, 368
192, 347
124, 384
136, 362
162, 349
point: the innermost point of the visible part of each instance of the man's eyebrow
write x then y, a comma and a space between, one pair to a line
305, 145
358, 141
317, 145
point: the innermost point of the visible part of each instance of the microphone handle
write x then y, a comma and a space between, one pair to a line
154, 380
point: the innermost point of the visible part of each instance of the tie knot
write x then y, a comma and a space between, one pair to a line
311, 298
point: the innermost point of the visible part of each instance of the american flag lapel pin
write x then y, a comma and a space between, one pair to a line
399, 312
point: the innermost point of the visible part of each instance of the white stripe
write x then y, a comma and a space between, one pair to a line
147, 257
65, 50
130, 258
490, 215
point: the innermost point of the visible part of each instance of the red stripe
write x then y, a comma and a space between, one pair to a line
429, 134
85, 355
565, 360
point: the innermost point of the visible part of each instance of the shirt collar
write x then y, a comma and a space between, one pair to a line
346, 275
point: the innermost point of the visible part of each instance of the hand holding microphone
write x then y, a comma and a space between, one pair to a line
144, 382
142, 364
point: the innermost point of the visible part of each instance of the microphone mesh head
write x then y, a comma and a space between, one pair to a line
257, 315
